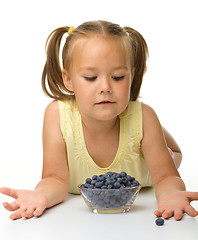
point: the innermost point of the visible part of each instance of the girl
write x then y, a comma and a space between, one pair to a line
96, 123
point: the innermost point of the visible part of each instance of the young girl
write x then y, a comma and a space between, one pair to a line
96, 123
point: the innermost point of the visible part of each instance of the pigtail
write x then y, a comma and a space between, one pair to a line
52, 74
140, 52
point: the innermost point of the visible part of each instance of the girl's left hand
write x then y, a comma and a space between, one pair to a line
176, 204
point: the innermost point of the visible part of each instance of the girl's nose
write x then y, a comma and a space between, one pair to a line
105, 86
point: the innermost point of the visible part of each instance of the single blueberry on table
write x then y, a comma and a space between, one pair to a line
159, 221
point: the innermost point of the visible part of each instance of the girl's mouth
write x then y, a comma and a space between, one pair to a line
105, 103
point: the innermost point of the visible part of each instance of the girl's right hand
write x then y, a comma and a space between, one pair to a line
27, 204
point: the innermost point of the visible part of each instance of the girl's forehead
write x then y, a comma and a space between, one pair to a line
98, 44
97, 39
99, 53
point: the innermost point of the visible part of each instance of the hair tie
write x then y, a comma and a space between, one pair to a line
70, 30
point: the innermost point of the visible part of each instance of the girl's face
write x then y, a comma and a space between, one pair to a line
100, 76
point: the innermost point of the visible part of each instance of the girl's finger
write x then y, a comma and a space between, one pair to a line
158, 213
9, 192
167, 213
17, 214
191, 211
11, 206
178, 214
192, 196
38, 212
28, 213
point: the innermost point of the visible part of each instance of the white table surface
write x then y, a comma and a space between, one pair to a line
73, 220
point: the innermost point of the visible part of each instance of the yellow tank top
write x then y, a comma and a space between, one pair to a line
128, 158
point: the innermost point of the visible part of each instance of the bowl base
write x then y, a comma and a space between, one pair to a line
120, 210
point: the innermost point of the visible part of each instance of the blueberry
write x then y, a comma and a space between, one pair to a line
119, 179
101, 195
105, 183
87, 185
123, 174
117, 193
109, 173
128, 184
94, 177
88, 180
128, 177
159, 221
132, 179
93, 182
112, 201
118, 175
114, 175
124, 180
117, 185
100, 178
135, 183
108, 181
99, 184
106, 199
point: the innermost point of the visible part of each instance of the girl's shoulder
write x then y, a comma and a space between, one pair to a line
52, 108
51, 115
148, 113
151, 124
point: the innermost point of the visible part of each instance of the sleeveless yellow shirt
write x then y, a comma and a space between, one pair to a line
128, 158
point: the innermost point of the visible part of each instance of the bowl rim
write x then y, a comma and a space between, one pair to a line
111, 189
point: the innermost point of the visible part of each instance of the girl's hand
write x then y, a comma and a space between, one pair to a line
176, 204
27, 203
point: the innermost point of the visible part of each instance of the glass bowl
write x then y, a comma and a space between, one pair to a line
109, 200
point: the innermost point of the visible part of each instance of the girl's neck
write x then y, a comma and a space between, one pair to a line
101, 127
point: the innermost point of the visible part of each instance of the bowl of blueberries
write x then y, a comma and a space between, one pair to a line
110, 192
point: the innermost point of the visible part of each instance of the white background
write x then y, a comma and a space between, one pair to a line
169, 86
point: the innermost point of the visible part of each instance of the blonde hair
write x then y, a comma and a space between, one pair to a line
52, 73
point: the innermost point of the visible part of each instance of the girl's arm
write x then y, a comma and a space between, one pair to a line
55, 175
53, 187
169, 187
172, 144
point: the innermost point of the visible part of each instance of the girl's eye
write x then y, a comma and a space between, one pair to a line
118, 78
90, 78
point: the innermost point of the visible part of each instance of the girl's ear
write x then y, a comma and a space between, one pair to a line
66, 80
